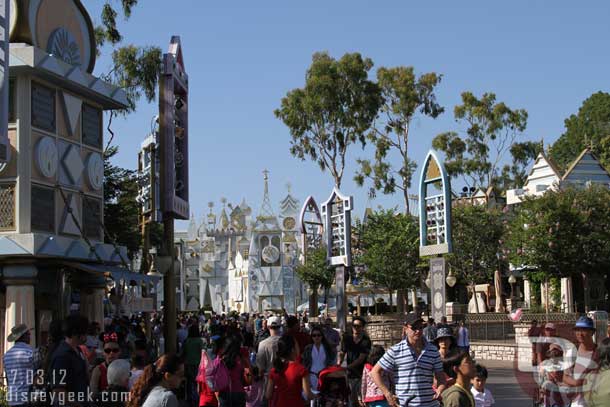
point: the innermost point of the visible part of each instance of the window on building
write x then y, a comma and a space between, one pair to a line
43, 209
92, 126
92, 212
43, 107
7, 206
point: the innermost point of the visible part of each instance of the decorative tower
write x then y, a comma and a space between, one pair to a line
265, 290
51, 180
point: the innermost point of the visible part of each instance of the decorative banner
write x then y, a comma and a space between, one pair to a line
4, 86
437, 287
336, 212
435, 208
312, 230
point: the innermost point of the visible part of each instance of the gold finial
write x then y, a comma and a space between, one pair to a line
289, 187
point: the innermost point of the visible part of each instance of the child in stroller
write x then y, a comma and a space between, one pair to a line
332, 387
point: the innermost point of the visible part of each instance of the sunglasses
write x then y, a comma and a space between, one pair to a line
357, 325
316, 336
113, 350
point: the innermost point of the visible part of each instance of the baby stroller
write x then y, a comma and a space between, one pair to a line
333, 387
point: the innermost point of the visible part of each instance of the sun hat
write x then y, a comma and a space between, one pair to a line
444, 333
17, 332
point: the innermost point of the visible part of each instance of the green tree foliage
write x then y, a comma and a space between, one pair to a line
477, 235
121, 211
315, 271
515, 174
562, 233
334, 110
590, 127
135, 68
404, 96
492, 129
390, 250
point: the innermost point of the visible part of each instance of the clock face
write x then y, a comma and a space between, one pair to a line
47, 157
289, 223
270, 254
95, 171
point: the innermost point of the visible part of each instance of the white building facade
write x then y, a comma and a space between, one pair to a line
234, 262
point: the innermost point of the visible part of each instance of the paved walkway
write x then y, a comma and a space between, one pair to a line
504, 385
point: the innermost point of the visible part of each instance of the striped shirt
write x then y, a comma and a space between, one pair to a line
413, 375
19, 364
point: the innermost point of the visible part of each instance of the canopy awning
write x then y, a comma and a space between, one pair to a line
115, 272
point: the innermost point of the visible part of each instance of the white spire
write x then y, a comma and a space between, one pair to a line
266, 208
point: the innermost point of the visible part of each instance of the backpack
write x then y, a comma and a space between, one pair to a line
218, 376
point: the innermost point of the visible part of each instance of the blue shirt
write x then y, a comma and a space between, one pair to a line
413, 375
19, 364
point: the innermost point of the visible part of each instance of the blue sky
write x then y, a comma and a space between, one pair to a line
242, 58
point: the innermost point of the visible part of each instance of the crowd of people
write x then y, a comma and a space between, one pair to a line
570, 374
265, 360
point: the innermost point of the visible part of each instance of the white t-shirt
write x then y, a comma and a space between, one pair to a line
318, 363
583, 364
482, 399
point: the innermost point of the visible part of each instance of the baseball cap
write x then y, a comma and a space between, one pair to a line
549, 325
273, 322
584, 323
412, 318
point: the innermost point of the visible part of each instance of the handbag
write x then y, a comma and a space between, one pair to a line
204, 365
219, 377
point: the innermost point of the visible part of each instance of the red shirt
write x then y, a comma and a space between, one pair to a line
288, 385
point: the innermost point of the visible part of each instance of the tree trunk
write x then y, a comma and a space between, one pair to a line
391, 302
414, 299
585, 285
406, 197
546, 295
400, 301
313, 302
326, 301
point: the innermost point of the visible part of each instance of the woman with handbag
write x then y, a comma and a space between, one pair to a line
231, 392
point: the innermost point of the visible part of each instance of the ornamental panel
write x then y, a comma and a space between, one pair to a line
43, 209
7, 207
43, 107
92, 217
92, 126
